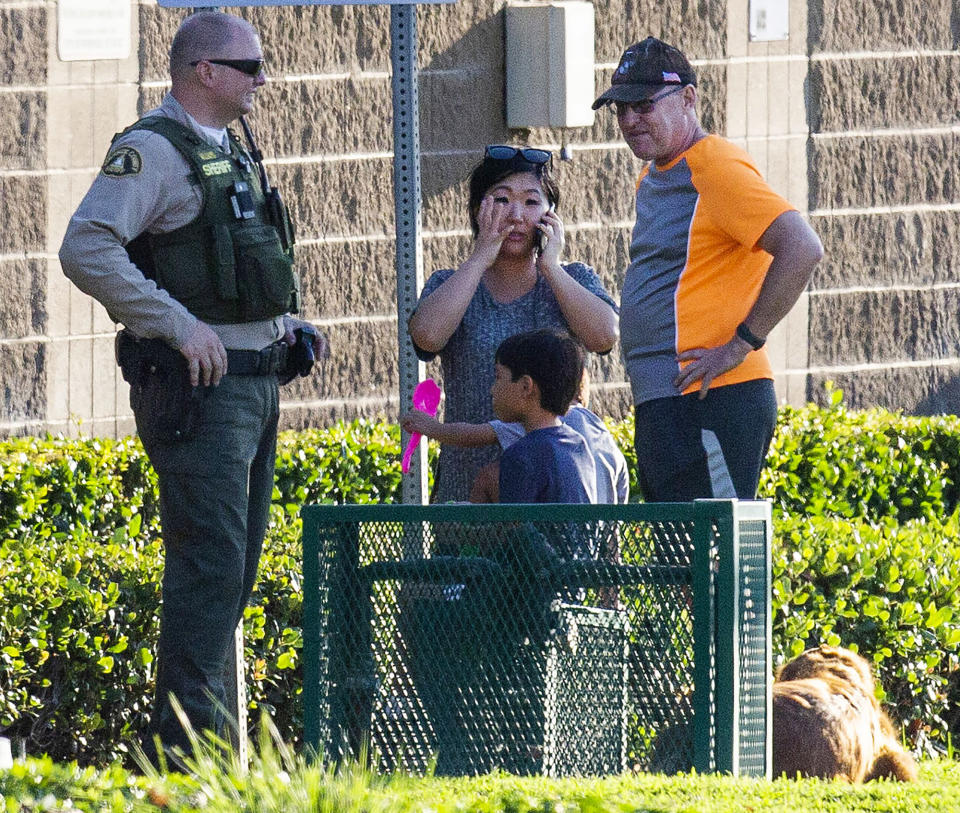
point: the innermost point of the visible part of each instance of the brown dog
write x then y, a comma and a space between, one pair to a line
827, 722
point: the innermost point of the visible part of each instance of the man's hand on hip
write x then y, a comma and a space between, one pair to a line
205, 355
706, 363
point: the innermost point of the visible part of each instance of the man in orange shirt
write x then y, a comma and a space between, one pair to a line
717, 259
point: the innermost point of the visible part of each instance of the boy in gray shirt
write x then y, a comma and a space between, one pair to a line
536, 376
613, 479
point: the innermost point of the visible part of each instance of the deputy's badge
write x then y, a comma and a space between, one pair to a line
122, 161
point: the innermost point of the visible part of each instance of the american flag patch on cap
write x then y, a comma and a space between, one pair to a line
670, 77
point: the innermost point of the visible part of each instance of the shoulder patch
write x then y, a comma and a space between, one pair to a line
122, 161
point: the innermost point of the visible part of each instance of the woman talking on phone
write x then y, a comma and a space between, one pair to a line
512, 281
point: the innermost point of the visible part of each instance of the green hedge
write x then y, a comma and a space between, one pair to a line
871, 465
80, 559
893, 593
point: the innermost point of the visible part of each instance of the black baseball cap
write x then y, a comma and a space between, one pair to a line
644, 67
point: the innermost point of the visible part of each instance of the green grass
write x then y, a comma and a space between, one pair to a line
286, 784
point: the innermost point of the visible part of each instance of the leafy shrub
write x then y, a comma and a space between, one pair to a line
892, 592
77, 639
356, 462
80, 560
76, 645
79, 572
80, 565
871, 465
273, 630
93, 483
623, 433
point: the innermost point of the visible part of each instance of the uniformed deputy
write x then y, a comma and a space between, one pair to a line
178, 241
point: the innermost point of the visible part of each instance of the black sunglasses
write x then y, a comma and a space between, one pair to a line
251, 67
643, 106
504, 152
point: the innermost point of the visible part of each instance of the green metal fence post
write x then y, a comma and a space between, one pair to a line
754, 745
727, 655
704, 626
743, 667
312, 585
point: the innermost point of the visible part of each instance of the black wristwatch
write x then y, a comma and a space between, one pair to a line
747, 335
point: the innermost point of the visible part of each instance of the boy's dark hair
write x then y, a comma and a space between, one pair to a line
489, 172
552, 358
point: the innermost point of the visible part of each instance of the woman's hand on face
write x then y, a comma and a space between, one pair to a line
493, 226
552, 227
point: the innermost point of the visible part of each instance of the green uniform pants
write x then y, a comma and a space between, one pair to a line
215, 494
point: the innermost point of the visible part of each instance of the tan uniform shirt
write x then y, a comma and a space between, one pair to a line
144, 185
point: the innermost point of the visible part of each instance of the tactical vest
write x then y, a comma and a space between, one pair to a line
228, 265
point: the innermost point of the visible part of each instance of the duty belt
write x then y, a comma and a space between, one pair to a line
268, 361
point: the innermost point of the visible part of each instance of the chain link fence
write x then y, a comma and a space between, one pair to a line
547, 639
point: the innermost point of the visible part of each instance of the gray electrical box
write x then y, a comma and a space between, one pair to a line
550, 63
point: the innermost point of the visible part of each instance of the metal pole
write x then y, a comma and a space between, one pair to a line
235, 684
406, 186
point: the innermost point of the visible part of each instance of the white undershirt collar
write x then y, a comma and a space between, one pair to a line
216, 135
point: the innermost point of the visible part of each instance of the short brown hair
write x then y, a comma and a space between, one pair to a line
203, 36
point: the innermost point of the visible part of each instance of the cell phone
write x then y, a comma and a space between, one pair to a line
542, 237
541, 241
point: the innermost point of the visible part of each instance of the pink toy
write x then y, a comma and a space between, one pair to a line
426, 398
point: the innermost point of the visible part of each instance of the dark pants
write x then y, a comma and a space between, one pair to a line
690, 449
215, 494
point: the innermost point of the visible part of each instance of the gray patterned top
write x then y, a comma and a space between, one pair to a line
467, 364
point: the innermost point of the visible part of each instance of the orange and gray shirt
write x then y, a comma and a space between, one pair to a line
695, 268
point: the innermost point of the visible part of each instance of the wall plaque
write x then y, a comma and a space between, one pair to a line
769, 20
93, 29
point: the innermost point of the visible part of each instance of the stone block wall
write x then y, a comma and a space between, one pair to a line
853, 118
885, 199
56, 119
22, 206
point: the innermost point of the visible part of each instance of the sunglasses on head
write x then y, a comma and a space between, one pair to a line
504, 152
251, 67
